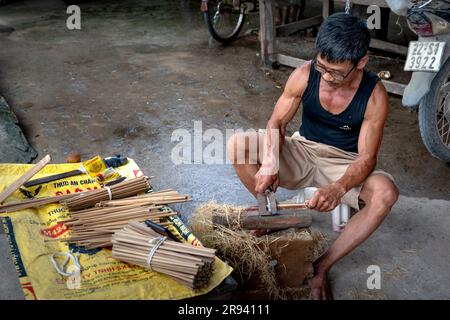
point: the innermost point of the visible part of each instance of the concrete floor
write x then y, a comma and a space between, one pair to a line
138, 70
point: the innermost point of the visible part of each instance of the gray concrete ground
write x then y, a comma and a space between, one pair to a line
138, 70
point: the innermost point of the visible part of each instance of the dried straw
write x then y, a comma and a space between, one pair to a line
242, 250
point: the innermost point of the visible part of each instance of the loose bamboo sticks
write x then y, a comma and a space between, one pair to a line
189, 265
94, 227
86, 199
154, 198
34, 203
121, 190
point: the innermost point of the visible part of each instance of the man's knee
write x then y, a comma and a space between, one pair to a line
242, 148
383, 194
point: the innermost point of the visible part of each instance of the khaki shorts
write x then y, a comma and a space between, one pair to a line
304, 163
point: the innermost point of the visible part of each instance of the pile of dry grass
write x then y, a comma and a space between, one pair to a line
242, 250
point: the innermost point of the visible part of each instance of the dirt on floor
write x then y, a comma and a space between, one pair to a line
138, 70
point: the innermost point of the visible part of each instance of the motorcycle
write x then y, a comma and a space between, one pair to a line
429, 59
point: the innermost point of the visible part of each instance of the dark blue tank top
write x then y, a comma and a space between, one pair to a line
342, 130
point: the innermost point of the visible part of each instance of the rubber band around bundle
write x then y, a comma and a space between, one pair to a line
109, 192
157, 242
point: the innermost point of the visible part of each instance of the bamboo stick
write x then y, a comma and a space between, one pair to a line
157, 200
99, 210
24, 178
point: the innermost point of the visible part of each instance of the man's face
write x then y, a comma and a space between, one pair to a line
335, 74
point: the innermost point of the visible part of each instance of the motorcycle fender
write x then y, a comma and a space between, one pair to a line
416, 89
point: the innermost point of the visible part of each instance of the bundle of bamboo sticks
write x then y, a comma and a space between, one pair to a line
121, 190
189, 265
94, 227
167, 196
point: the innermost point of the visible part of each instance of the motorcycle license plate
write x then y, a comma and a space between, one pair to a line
424, 56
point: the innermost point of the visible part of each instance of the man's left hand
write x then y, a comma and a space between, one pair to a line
327, 198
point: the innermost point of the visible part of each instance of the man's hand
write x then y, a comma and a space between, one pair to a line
327, 198
262, 182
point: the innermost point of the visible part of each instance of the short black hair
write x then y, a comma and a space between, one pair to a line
343, 37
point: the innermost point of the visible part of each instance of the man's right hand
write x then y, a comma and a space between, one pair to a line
262, 182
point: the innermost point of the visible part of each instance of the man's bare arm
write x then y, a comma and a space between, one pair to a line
285, 109
369, 141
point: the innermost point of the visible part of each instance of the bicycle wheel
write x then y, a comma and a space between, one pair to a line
224, 19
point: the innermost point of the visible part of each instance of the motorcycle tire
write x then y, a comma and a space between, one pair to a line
434, 123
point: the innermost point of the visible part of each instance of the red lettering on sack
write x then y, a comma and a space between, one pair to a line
60, 193
55, 231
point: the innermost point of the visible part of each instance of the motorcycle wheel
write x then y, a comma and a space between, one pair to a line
434, 115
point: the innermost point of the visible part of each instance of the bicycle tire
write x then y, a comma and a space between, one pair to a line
223, 39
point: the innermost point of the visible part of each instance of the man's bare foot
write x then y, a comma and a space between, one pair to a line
320, 290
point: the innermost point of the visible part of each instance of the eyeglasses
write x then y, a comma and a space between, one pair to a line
336, 75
